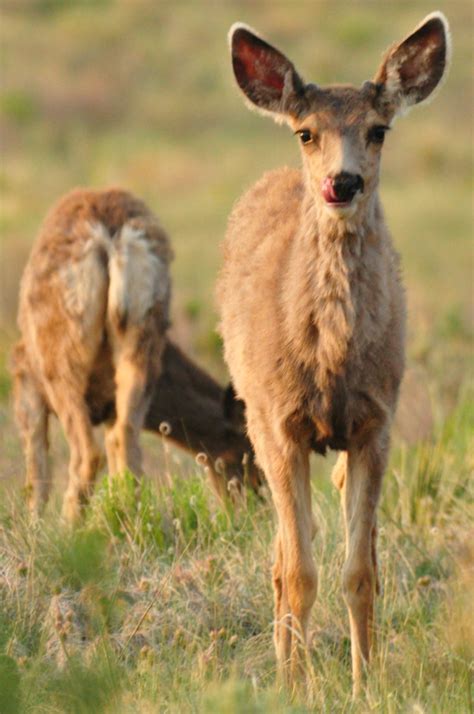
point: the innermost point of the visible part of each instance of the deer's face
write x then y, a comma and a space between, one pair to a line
341, 139
341, 129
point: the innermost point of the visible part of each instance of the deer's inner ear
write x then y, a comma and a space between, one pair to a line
255, 63
266, 77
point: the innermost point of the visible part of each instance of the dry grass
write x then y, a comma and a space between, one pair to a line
165, 604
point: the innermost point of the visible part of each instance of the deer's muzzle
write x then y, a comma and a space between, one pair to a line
339, 190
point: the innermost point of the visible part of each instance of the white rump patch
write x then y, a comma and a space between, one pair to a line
85, 280
138, 277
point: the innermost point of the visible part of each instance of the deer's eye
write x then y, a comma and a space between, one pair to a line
305, 136
376, 134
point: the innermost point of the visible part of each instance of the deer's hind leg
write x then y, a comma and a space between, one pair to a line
123, 436
137, 320
84, 456
137, 360
31, 413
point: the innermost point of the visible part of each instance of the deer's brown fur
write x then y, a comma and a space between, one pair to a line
313, 314
94, 349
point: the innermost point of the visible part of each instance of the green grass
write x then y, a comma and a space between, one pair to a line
161, 601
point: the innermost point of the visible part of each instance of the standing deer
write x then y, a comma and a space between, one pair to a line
94, 316
313, 313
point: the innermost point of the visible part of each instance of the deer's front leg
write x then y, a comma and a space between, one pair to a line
360, 486
294, 572
281, 633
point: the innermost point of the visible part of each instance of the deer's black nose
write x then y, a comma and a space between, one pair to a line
346, 185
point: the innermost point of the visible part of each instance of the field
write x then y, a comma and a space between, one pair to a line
164, 604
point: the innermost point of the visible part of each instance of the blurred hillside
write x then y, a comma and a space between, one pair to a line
139, 93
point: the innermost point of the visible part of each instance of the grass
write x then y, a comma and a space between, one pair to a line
161, 601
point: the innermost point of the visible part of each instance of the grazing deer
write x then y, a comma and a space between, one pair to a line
313, 313
94, 316
97, 275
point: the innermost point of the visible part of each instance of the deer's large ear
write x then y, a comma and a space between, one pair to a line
412, 69
266, 77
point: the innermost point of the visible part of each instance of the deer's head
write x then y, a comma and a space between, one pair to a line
340, 128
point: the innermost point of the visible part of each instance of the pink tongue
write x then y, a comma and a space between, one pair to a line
328, 191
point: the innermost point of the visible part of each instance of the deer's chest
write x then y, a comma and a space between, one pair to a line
329, 384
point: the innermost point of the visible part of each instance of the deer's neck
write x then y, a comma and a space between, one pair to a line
331, 254
190, 403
